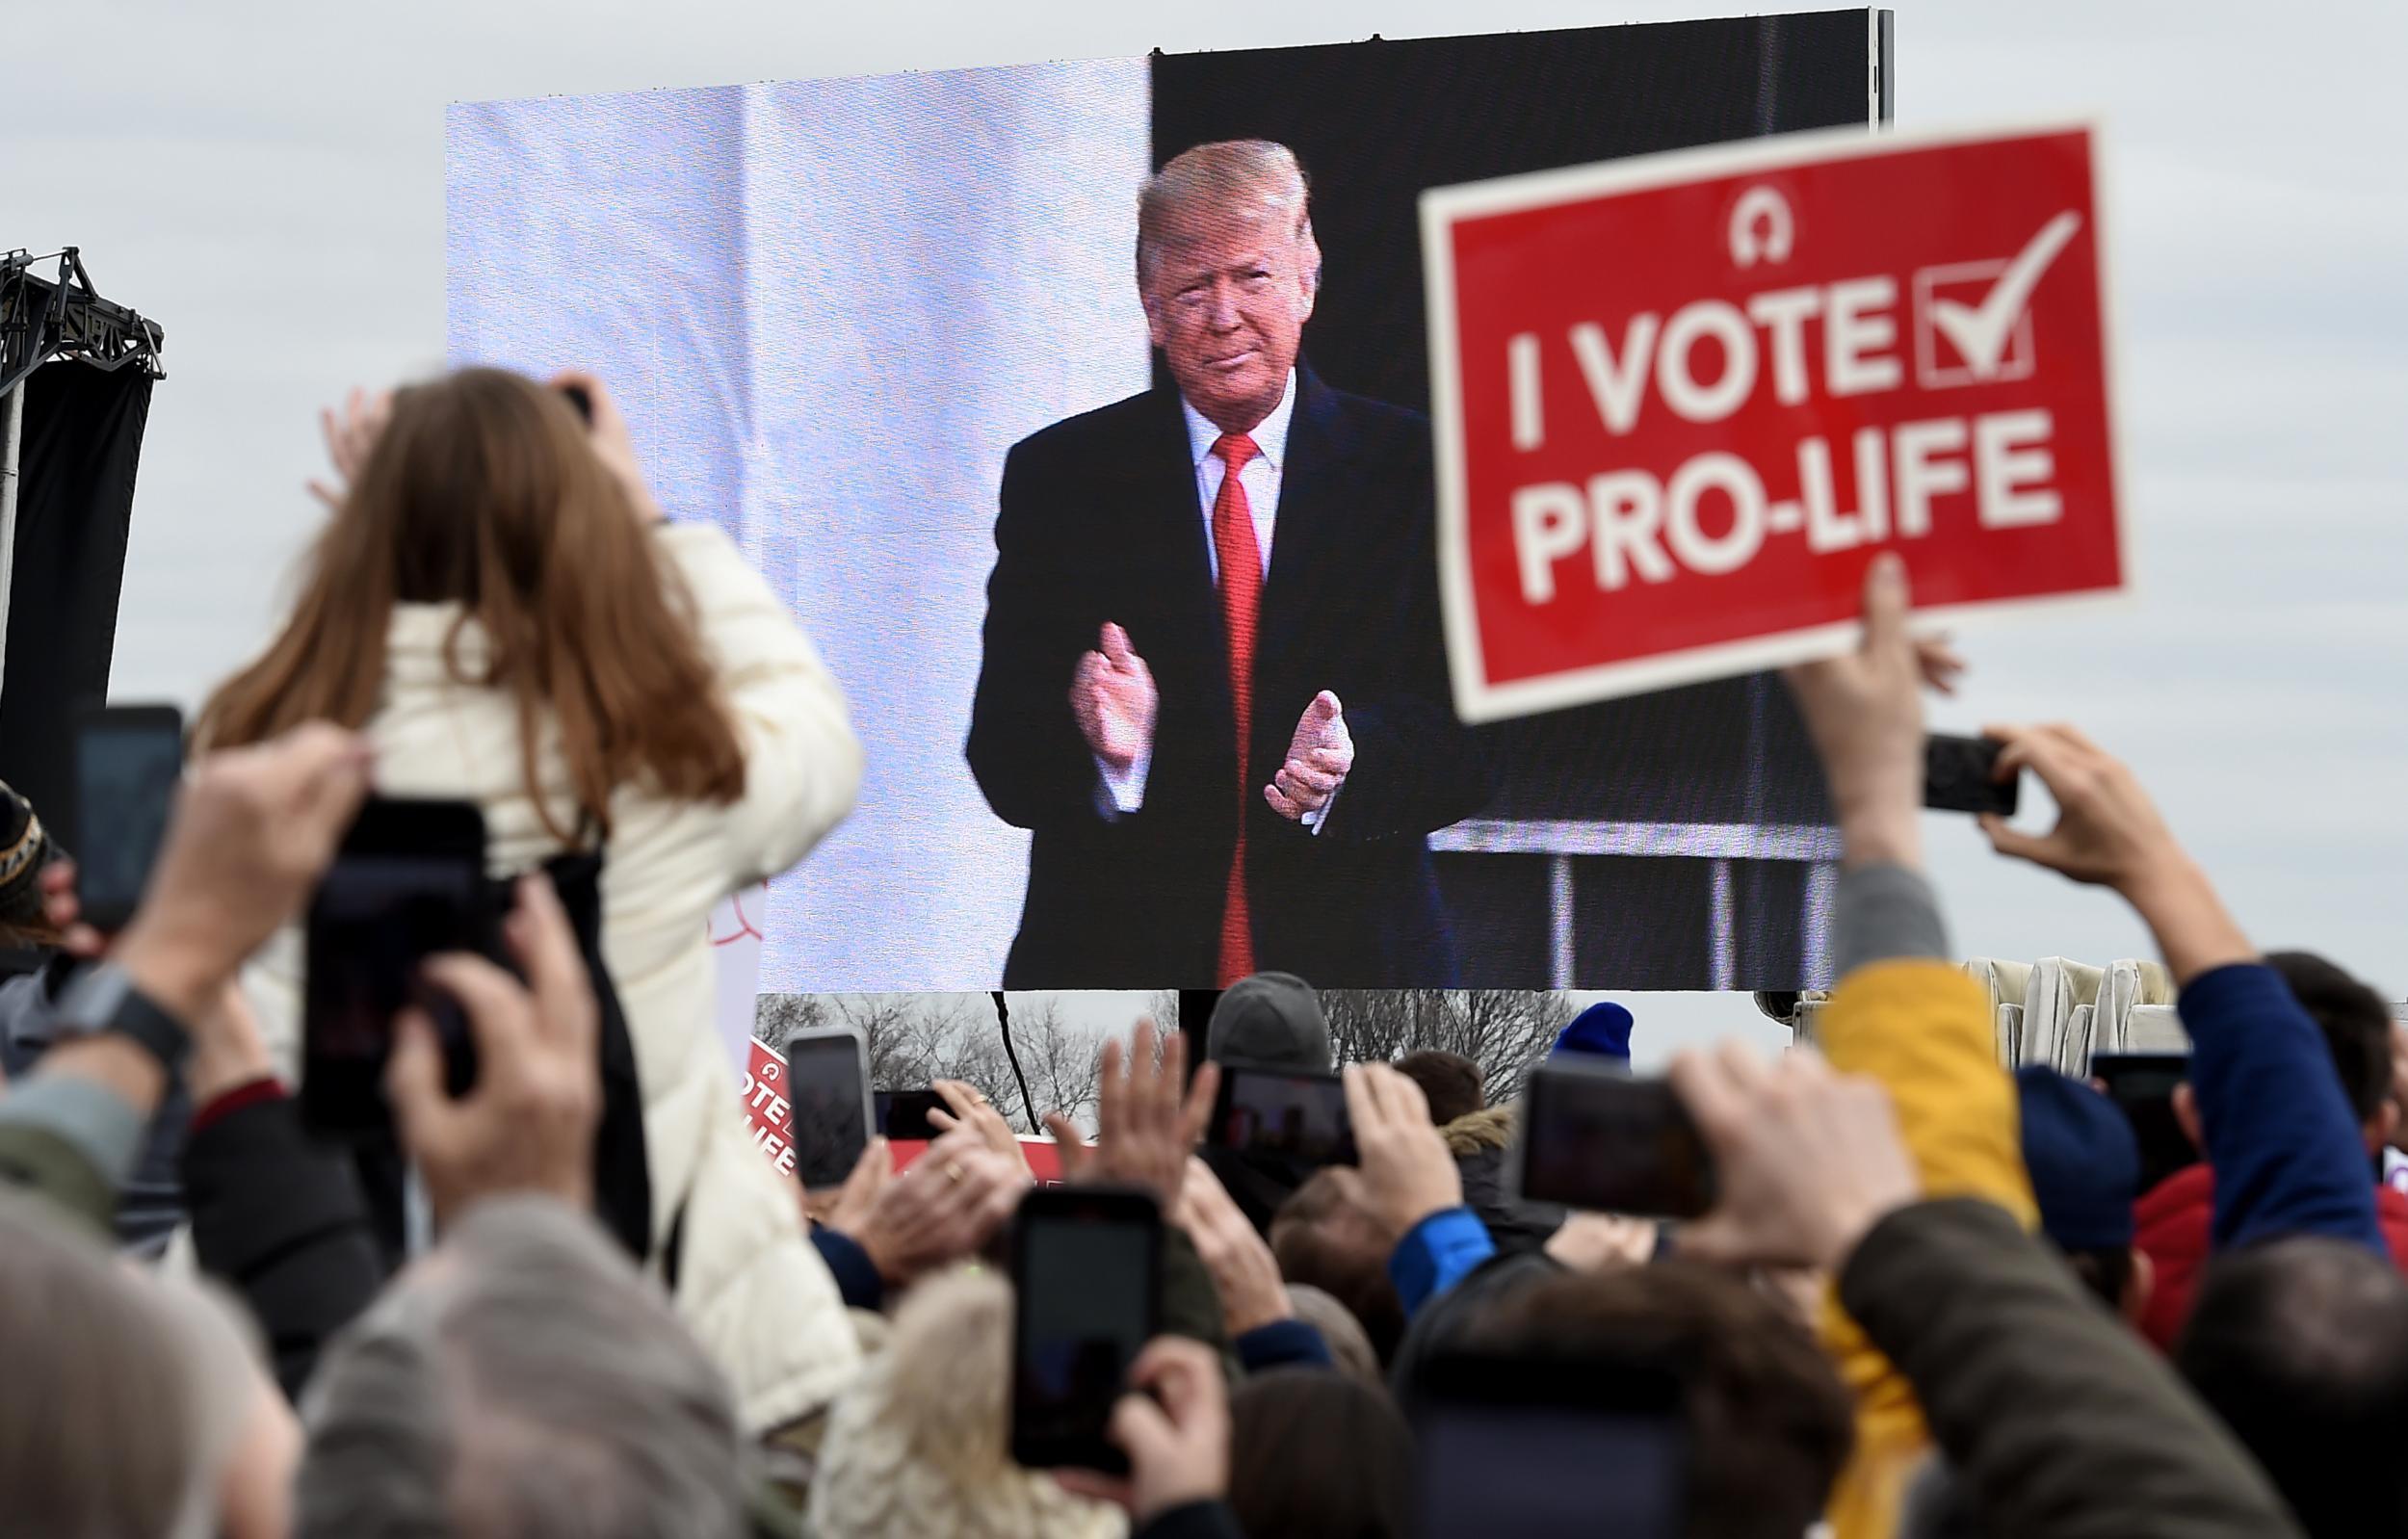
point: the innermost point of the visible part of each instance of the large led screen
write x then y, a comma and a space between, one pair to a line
1128, 724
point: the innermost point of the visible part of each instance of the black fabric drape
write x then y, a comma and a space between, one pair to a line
74, 505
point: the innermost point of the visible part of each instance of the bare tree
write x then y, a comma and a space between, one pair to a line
1162, 1007
1502, 1030
1061, 1062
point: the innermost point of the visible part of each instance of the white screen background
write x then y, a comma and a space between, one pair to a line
828, 308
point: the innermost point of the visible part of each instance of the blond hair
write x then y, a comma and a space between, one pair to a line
1229, 175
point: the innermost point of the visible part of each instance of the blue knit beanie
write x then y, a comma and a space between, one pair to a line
1603, 1030
2084, 1159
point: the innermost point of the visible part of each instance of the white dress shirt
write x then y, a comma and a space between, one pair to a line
1124, 791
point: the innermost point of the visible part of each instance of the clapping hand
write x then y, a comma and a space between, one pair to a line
971, 1110
946, 1207
1320, 755
1112, 695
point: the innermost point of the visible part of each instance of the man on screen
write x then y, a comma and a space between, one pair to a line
1214, 685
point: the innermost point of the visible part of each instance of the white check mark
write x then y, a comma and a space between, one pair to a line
1980, 331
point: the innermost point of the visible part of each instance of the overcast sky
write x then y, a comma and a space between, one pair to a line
267, 180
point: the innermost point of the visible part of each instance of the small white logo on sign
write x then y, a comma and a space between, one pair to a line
1761, 206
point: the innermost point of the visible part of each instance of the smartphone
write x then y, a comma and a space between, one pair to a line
1960, 776
827, 1083
1087, 1270
408, 882
1296, 1115
1596, 1140
579, 402
128, 759
1510, 1444
2142, 1084
905, 1113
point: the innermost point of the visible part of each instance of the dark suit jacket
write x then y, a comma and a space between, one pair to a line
1100, 521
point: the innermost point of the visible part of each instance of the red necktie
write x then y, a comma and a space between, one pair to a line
1241, 561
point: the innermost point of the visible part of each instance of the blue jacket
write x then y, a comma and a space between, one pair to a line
2288, 1158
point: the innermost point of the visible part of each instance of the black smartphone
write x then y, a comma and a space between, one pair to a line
128, 759
1296, 1115
1518, 1445
827, 1085
579, 402
1595, 1138
2142, 1086
1960, 776
905, 1113
1087, 1268
407, 882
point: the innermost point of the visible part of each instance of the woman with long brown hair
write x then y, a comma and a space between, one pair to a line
498, 605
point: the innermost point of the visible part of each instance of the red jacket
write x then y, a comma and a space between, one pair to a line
2171, 1226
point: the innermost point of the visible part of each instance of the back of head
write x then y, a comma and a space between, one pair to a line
1603, 1031
1350, 1344
1270, 1018
2301, 1346
2356, 1023
524, 1382
921, 1444
1325, 1237
2085, 1172
1319, 1456
1451, 1083
102, 1422
1767, 1421
484, 491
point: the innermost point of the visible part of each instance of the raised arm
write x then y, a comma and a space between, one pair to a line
2288, 1155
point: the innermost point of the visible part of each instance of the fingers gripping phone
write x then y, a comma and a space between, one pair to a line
1086, 1285
1960, 774
128, 759
1296, 1115
828, 1087
408, 882
1595, 1139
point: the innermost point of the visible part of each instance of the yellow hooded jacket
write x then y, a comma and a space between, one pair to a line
1924, 1030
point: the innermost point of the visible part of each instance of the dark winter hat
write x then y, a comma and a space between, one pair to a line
1603, 1030
2084, 1159
1271, 1018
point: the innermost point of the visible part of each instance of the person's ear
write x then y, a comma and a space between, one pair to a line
1157, 330
2141, 1285
2187, 1113
2385, 1123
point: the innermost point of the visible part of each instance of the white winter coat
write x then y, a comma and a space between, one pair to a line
751, 1284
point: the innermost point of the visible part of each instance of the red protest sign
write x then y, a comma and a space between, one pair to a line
768, 1116
1681, 402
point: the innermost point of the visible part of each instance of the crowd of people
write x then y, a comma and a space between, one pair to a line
1929, 1297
